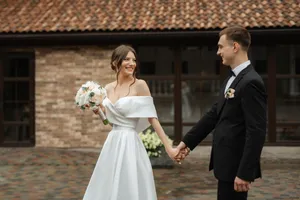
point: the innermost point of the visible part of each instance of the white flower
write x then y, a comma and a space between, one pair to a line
89, 95
229, 94
152, 143
81, 100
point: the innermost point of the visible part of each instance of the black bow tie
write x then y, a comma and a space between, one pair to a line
231, 73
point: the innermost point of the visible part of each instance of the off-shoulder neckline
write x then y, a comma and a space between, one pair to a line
127, 97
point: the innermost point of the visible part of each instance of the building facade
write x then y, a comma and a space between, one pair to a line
43, 63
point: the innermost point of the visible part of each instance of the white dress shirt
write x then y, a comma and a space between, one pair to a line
236, 71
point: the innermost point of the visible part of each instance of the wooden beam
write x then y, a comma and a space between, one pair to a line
177, 96
1, 99
271, 89
32, 95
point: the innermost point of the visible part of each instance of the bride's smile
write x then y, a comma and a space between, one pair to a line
128, 65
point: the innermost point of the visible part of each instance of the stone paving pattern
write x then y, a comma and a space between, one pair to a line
63, 174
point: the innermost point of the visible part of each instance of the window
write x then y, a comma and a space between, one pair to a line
16, 94
147, 68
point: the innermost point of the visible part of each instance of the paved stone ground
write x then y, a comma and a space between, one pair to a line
63, 174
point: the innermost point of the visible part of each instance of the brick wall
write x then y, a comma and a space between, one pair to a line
59, 73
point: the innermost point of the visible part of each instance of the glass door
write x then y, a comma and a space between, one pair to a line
201, 79
156, 67
288, 93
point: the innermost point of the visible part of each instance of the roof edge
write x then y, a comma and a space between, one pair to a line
134, 36
142, 33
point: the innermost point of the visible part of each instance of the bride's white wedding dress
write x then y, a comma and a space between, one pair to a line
123, 170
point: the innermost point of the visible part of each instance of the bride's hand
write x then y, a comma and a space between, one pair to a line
102, 108
96, 110
173, 152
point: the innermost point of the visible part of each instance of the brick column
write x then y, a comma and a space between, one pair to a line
59, 74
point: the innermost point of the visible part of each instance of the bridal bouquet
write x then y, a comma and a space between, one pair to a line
152, 143
89, 96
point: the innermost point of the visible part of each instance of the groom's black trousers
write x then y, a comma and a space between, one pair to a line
226, 192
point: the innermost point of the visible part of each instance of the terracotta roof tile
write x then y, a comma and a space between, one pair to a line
132, 15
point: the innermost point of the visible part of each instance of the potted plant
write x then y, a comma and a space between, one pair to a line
155, 149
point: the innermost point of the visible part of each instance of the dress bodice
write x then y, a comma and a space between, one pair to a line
131, 111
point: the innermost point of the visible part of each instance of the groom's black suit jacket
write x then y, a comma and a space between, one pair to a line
240, 129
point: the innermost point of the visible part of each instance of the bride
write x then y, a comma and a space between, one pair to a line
123, 170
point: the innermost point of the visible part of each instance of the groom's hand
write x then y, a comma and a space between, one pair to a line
183, 152
241, 185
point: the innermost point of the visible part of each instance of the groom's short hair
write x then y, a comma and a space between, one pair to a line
237, 34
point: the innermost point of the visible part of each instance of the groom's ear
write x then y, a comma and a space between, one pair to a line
236, 47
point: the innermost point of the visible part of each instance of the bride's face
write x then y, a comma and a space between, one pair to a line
128, 65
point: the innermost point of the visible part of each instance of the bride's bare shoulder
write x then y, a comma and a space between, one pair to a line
110, 86
142, 88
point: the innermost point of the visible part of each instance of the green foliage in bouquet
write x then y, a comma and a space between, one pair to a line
152, 142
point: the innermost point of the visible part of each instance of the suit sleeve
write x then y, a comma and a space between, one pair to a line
254, 105
203, 127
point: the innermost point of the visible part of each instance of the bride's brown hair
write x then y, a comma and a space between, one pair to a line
117, 57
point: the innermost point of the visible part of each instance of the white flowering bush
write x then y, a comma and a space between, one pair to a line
152, 142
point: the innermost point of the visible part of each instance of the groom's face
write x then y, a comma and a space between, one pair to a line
226, 50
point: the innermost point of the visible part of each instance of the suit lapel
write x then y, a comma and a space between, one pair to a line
221, 96
233, 85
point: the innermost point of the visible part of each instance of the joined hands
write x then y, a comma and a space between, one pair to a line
179, 153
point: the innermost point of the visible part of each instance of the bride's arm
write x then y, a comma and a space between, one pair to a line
143, 90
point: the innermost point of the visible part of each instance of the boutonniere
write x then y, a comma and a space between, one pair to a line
229, 94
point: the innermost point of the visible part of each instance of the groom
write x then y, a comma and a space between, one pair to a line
238, 118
